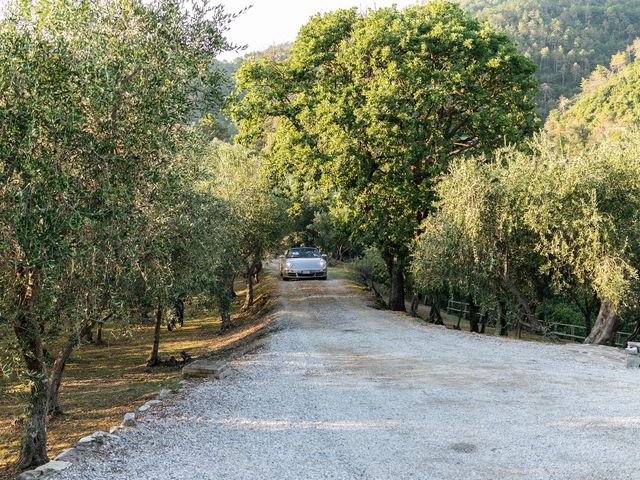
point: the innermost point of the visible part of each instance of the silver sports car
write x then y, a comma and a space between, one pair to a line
303, 262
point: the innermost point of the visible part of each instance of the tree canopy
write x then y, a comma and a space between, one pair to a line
369, 109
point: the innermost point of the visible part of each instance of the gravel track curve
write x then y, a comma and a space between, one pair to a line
344, 391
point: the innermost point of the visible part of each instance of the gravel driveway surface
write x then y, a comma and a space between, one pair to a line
343, 391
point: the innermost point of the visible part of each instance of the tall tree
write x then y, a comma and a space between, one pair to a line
370, 109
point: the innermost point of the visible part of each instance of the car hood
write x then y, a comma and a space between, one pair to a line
306, 263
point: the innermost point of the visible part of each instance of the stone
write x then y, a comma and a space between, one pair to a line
633, 360
164, 393
29, 475
206, 368
69, 455
114, 429
129, 420
54, 465
96, 437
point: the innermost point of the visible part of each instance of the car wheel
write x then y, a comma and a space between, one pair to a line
286, 279
323, 278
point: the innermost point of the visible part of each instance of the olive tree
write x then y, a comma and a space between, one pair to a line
258, 217
94, 96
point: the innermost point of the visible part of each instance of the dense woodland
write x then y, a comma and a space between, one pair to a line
566, 39
409, 142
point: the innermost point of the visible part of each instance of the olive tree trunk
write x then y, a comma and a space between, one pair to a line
501, 320
606, 327
57, 371
33, 450
56, 376
395, 267
224, 302
249, 298
154, 358
473, 317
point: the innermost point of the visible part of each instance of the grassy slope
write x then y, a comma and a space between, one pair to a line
102, 383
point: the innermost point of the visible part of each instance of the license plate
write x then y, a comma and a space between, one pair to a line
306, 272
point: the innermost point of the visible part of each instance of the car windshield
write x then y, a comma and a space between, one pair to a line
303, 253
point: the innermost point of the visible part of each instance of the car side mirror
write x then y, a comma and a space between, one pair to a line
324, 256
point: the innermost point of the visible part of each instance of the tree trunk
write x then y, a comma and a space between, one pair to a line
531, 321
33, 451
434, 315
248, 301
256, 272
473, 317
414, 305
61, 361
395, 266
154, 358
99, 334
607, 325
232, 290
56, 376
224, 302
501, 321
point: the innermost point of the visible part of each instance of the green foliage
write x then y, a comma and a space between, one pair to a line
371, 267
559, 310
97, 209
607, 105
510, 227
567, 39
258, 217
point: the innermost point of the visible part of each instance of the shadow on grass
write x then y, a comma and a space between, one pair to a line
102, 383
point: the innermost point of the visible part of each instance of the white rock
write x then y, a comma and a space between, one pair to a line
129, 420
55, 465
148, 405
87, 439
30, 475
69, 452
164, 393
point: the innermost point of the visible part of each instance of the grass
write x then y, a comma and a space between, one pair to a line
102, 383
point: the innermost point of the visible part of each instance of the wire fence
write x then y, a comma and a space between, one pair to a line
563, 331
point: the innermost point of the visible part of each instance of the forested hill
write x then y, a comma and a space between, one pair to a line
609, 101
567, 39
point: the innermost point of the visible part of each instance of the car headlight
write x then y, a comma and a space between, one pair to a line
288, 264
323, 264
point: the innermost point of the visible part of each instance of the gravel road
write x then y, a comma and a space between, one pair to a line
344, 391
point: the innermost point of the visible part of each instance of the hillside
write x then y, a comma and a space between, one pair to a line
609, 101
565, 38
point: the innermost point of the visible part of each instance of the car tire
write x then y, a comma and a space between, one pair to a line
285, 279
323, 278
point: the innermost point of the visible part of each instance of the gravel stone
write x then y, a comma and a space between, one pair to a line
129, 420
164, 393
343, 391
